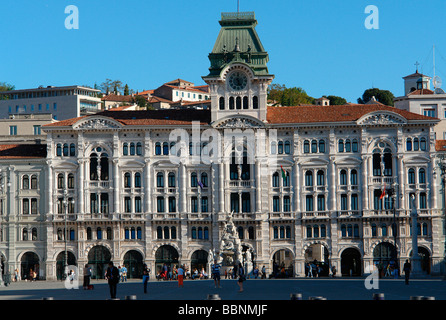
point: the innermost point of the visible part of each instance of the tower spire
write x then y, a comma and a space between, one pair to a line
238, 6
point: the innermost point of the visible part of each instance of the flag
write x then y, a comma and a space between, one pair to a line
283, 173
383, 193
200, 184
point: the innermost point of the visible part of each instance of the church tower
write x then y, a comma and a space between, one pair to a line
238, 77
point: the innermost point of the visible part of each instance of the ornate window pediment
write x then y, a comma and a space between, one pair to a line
97, 123
239, 122
381, 118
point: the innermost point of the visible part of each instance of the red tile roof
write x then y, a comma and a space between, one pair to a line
115, 97
275, 115
421, 92
335, 113
22, 151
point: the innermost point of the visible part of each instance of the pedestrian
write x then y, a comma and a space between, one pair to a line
180, 272
387, 270
310, 271
256, 272
145, 277
263, 272
16, 275
87, 276
216, 273
124, 273
112, 275
407, 267
241, 277
333, 271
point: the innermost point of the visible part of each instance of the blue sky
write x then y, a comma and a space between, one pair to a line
320, 45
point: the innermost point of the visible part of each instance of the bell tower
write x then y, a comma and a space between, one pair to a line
238, 76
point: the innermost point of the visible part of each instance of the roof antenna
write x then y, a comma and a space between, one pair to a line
238, 6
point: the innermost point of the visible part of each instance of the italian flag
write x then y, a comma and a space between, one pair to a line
383, 193
283, 173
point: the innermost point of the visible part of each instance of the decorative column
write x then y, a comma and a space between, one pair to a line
416, 263
116, 186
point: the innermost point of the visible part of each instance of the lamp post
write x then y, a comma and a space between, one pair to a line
66, 202
393, 194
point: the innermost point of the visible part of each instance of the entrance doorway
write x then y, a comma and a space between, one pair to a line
98, 259
199, 260
60, 262
351, 262
165, 255
133, 261
29, 263
425, 259
283, 264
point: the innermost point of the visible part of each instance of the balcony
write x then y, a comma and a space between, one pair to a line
165, 216
349, 214
316, 215
239, 183
99, 184
382, 180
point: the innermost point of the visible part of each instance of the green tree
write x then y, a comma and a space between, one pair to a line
384, 96
336, 101
288, 96
126, 90
141, 102
5, 87
108, 85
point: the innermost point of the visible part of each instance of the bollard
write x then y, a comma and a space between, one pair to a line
48, 298
378, 296
317, 298
213, 297
416, 297
427, 298
132, 297
296, 296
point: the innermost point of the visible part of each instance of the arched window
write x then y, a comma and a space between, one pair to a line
411, 176
238, 103
72, 150
251, 234
343, 177
354, 177
89, 237
25, 182
222, 103
425, 232
127, 180
60, 181
137, 180
173, 232
320, 178
323, 231
321, 146
139, 148
422, 176
194, 233
273, 147
171, 180
280, 147
309, 232
275, 180
99, 233
343, 231
59, 150
276, 232
125, 149
384, 230
288, 232
70, 181
65, 149
423, 200
287, 147
309, 178
165, 148
166, 233
374, 232
255, 102
158, 148
313, 146
33, 181
25, 234
160, 180
282, 232
355, 145
126, 234
423, 144
159, 232
409, 144
416, 145
348, 147
341, 146
109, 233
231, 103
204, 179
245, 102
206, 233
193, 180
286, 179
306, 146
132, 149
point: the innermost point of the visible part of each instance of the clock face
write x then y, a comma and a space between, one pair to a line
238, 80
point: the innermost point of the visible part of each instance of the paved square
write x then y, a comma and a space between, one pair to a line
254, 289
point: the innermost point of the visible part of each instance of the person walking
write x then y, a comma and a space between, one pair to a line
87, 277
407, 268
241, 277
216, 273
263, 272
310, 270
145, 277
180, 272
124, 273
112, 275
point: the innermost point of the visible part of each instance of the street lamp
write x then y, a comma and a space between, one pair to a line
393, 194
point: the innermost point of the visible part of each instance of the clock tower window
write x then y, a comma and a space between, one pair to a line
255, 102
239, 103
222, 103
245, 102
231, 103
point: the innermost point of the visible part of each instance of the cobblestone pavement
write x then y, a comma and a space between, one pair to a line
254, 289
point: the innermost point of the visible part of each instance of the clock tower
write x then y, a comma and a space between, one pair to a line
238, 77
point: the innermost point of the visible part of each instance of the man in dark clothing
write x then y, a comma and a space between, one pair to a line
407, 267
112, 275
